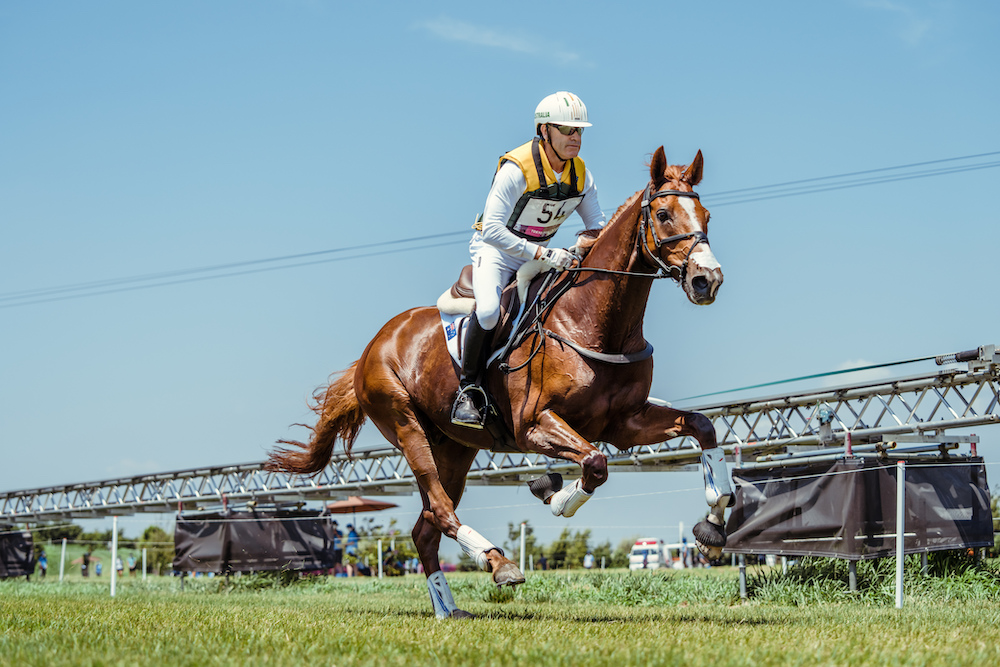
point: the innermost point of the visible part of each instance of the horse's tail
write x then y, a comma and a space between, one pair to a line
340, 416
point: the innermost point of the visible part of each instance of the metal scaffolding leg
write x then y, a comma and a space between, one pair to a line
743, 577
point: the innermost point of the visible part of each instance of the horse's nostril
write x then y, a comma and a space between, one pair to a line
700, 284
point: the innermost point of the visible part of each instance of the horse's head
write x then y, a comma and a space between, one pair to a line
674, 228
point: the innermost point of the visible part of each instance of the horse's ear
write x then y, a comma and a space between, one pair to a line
692, 175
658, 167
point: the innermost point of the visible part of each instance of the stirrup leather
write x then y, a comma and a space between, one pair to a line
466, 402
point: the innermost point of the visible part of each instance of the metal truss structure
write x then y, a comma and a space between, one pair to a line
921, 408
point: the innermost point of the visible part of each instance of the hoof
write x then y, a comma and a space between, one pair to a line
710, 534
507, 574
460, 614
711, 553
543, 487
709, 538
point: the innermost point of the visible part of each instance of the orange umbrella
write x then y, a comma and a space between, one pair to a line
355, 504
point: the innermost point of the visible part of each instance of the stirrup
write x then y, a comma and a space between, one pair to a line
471, 416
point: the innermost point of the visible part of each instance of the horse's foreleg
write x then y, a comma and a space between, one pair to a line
553, 437
658, 423
710, 534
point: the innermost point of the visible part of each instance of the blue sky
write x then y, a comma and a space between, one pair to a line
140, 138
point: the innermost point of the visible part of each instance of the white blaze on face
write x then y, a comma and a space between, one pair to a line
702, 255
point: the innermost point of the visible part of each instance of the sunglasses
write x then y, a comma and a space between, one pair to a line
567, 130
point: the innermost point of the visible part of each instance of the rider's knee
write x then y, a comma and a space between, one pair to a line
488, 317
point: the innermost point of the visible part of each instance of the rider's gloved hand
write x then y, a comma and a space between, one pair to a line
557, 258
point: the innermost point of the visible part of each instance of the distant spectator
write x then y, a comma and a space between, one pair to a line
588, 561
43, 564
685, 553
352, 541
119, 566
85, 564
543, 562
132, 565
351, 550
97, 568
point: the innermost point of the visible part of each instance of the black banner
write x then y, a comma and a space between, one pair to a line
17, 557
253, 542
847, 508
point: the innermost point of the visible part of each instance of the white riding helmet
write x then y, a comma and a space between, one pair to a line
561, 108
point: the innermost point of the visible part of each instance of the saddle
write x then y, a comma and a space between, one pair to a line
458, 303
460, 298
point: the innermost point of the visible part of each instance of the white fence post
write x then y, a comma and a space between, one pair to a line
114, 554
522, 547
62, 561
900, 528
380, 559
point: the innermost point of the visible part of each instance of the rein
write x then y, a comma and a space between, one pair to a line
541, 304
663, 270
545, 298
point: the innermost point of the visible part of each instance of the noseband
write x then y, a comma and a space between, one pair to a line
678, 273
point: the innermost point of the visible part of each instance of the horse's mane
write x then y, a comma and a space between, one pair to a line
586, 239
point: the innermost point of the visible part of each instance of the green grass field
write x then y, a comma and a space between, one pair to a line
579, 618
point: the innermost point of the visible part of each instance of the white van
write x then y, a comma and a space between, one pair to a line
647, 553
650, 553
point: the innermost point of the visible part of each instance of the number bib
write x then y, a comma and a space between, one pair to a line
540, 218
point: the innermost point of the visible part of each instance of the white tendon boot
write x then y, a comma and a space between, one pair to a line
475, 546
710, 535
441, 598
717, 483
567, 500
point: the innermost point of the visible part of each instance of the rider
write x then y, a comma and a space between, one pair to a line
536, 187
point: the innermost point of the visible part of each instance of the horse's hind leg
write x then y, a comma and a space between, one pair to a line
440, 471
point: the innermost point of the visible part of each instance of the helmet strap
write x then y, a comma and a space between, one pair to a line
552, 146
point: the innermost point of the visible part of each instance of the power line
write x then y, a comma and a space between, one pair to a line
856, 173
181, 281
793, 192
75, 287
728, 197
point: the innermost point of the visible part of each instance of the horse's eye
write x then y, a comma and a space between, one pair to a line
661, 215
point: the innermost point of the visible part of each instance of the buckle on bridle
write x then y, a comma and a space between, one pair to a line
678, 273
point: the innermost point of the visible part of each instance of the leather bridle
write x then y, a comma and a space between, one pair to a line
652, 255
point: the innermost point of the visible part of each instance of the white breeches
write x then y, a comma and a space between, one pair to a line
491, 271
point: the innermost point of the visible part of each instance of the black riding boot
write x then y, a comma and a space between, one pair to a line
465, 412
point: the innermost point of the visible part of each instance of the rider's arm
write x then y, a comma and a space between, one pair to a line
508, 186
589, 209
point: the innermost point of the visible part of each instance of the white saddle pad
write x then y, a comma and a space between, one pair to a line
454, 326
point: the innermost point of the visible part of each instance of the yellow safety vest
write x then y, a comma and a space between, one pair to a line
547, 201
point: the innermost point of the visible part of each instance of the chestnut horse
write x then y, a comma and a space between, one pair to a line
583, 376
